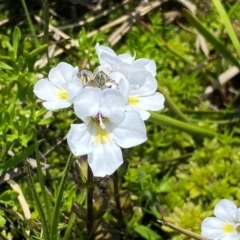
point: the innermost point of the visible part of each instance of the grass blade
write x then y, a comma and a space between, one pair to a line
41, 181
228, 25
55, 218
209, 36
182, 126
30, 23
46, 232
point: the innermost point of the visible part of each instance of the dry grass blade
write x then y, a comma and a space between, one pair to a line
44, 60
223, 78
21, 199
141, 10
190, 6
91, 19
171, 16
182, 230
200, 41
52, 28
4, 21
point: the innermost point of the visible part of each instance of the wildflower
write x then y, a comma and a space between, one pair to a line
61, 87
140, 75
142, 96
106, 128
226, 224
124, 63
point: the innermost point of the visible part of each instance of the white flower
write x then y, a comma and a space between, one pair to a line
106, 127
142, 95
123, 63
61, 87
140, 75
226, 224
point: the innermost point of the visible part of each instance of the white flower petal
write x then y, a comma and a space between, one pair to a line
74, 88
105, 159
238, 215
113, 61
45, 90
79, 139
127, 58
100, 49
226, 210
212, 228
106, 68
55, 105
154, 102
112, 105
231, 237
143, 113
86, 104
122, 82
147, 84
131, 131
149, 65
62, 74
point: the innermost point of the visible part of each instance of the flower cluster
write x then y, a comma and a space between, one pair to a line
226, 224
112, 102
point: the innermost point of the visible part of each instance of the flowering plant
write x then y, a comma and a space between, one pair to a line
112, 103
226, 224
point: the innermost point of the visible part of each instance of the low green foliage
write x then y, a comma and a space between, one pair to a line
178, 175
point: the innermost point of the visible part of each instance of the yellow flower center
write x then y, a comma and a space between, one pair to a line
62, 94
102, 136
228, 228
133, 100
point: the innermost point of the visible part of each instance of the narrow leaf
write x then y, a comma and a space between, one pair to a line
56, 210
210, 37
146, 233
38, 50
17, 159
228, 26
182, 126
16, 39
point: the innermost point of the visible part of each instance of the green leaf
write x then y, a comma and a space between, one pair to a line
46, 121
16, 39
38, 50
8, 196
17, 159
2, 221
228, 26
39, 206
175, 52
57, 207
182, 126
80, 211
210, 37
5, 66
146, 233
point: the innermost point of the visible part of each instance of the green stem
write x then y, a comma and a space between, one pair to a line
228, 25
30, 23
38, 203
172, 106
90, 203
69, 227
56, 211
46, 24
41, 181
182, 126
